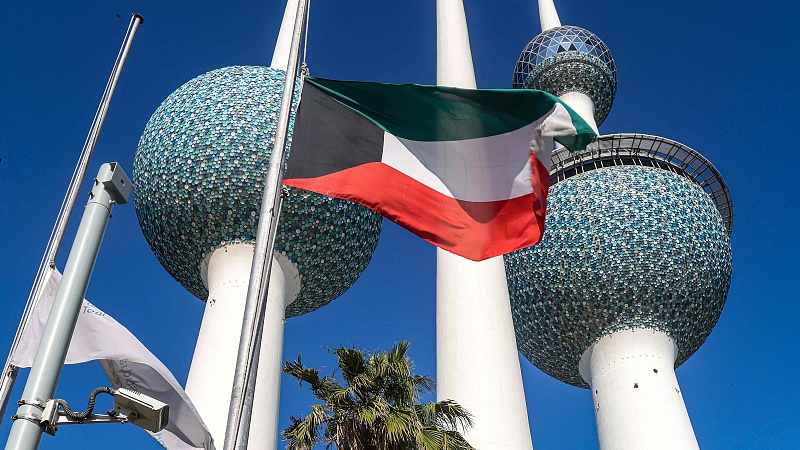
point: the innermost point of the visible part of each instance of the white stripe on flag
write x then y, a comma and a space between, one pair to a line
486, 169
477, 170
126, 361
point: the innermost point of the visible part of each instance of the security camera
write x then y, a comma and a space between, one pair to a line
129, 406
141, 410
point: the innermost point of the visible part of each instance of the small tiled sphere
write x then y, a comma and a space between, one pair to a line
624, 247
199, 176
569, 59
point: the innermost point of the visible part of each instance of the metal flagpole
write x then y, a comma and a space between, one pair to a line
9, 374
239, 413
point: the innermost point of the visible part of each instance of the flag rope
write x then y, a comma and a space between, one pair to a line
304, 67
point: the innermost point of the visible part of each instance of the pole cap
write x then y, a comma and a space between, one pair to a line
115, 182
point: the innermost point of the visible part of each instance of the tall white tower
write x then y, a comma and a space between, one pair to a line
199, 172
477, 363
635, 263
226, 272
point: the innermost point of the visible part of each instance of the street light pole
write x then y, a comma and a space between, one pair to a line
111, 187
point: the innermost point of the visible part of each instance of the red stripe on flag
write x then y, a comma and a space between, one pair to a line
474, 230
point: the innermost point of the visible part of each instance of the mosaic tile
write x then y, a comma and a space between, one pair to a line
624, 247
199, 175
569, 59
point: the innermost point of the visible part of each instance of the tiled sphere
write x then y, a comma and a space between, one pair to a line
624, 247
199, 176
569, 59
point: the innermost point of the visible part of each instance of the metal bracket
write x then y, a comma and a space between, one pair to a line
52, 418
114, 180
11, 369
29, 417
37, 403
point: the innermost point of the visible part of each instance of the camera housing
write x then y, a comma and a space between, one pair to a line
141, 410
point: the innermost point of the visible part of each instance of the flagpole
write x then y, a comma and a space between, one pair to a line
240, 411
9, 374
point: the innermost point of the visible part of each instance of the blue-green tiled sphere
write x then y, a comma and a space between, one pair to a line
624, 247
199, 175
569, 59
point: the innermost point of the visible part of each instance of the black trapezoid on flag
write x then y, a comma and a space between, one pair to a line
330, 137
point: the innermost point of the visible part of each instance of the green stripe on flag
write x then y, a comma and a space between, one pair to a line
418, 112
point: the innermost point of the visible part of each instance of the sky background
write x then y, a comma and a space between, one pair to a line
718, 76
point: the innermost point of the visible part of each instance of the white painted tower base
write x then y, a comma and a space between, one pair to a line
477, 363
226, 273
637, 401
211, 373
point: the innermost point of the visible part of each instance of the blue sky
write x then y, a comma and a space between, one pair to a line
717, 76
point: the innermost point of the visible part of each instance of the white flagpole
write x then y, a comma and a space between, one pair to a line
9, 374
239, 413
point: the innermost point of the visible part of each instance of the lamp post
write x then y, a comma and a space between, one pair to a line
111, 187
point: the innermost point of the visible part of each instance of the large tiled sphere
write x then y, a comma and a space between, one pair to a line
624, 247
199, 176
569, 59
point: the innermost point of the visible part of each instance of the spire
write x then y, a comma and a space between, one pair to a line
473, 295
548, 16
280, 57
453, 54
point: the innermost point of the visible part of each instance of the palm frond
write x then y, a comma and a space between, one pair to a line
376, 406
424, 385
401, 424
445, 414
298, 370
352, 362
431, 438
302, 433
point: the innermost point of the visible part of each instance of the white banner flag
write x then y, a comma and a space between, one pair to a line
126, 361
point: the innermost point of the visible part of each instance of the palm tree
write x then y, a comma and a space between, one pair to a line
377, 408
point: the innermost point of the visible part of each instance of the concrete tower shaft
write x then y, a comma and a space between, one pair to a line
227, 271
548, 15
280, 57
637, 399
477, 363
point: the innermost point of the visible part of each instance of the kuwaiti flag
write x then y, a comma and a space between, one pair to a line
465, 169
